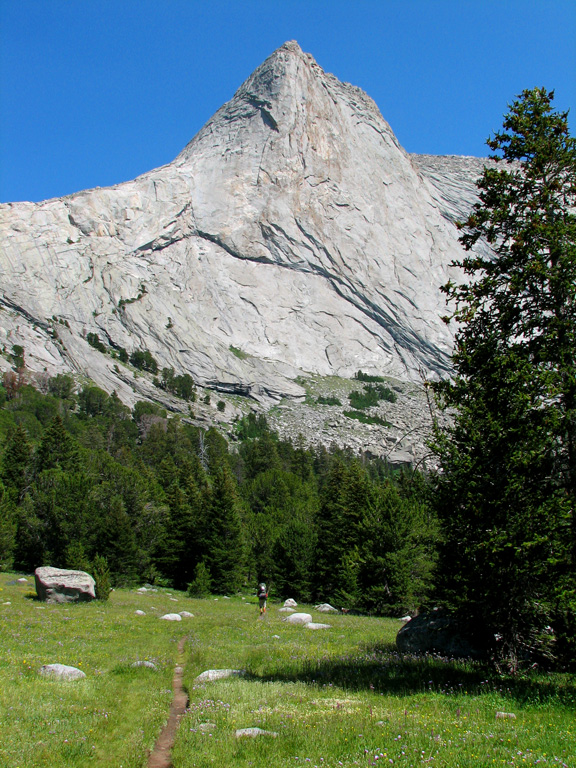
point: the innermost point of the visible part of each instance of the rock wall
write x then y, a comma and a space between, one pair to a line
292, 235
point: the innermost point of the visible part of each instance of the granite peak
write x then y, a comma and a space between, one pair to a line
293, 235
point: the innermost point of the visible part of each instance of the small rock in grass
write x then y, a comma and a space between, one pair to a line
275, 637
405, 618
7, 603
205, 727
62, 671
139, 613
286, 610
217, 674
290, 603
174, 600
147, 664
171, 617
252, 733
186, 615
325, 608
505, 716
225, 597
315, 625
142, 590
22, 581
299, 618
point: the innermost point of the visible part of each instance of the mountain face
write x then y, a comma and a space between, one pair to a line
292, 236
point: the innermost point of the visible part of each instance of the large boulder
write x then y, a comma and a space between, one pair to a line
438, 632
57, 585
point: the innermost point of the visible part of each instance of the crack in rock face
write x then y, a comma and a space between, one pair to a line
292, 234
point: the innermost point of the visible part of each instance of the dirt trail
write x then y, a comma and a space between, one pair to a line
161, 755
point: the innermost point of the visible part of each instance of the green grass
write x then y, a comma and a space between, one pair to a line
239, 353
112, 716
366, 418
336, 697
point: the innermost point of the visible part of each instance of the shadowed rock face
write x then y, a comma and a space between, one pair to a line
292, 234
441, 633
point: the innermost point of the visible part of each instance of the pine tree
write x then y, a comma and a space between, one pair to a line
8, 517
16, 467
507, 494
115, 538
181, 545
398, 553
225, 555
201, 585
347, 496
57, 448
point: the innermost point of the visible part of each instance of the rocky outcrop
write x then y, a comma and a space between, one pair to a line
438, 632
292, 235
57, 585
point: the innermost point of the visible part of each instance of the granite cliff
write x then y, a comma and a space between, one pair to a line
293, 236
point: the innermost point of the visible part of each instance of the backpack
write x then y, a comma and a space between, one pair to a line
262, 590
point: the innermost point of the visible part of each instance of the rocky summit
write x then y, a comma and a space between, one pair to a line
293, 237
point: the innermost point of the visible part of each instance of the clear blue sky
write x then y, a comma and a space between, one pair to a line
95, 92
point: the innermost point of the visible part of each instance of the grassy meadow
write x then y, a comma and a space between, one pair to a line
335, 697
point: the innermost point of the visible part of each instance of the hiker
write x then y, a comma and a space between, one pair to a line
262, 595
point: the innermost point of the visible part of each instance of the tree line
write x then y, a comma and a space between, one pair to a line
82, 476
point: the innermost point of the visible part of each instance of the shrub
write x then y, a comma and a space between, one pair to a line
361, 376
182, 386
365, 418
252, 426
101, 574
17, 356
371, 396
61, 386
202, 583
94, 340
321, 400
144, 361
